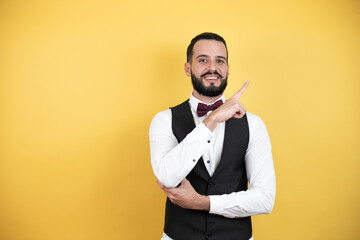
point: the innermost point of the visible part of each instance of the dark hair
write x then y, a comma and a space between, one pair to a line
207, 36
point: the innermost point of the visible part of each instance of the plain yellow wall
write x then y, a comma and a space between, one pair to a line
81, 80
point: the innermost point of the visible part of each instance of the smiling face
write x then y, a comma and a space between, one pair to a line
208, 68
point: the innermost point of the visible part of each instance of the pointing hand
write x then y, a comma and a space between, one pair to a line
232, 108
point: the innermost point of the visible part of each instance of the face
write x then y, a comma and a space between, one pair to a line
208, 68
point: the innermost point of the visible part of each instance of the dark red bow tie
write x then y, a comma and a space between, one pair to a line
202, 109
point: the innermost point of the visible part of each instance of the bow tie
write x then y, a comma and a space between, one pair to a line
202, 109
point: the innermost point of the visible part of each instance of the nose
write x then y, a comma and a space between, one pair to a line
212, 65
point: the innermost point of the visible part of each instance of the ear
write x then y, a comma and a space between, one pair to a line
187, 69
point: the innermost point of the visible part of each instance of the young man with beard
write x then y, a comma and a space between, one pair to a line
205, 151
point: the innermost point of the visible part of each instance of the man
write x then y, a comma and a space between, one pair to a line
205, 151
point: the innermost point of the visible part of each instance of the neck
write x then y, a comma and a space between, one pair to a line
205, 99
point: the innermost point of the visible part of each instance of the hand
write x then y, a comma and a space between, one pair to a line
185, 196
232, 108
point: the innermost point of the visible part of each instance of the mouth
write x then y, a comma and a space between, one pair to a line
211, 78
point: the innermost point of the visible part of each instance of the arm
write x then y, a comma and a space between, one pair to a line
172, 161
260, 197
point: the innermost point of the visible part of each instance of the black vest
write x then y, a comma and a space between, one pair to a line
229, 176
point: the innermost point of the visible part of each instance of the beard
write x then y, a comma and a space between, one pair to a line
212, 90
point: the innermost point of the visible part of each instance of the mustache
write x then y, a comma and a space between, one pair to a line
211, 72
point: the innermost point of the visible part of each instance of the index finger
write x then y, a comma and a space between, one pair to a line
241, 91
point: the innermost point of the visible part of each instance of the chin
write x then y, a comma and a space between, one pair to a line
212, 84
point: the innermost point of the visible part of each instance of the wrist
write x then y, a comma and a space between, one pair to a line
204, 203
210, 122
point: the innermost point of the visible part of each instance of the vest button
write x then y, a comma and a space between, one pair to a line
208, 141
194, 160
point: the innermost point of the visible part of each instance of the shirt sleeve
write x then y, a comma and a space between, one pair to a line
260, 197
172, 161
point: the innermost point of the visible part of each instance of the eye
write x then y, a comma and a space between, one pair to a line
202, 60
221, 61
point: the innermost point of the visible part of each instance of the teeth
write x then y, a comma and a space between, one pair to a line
211, 78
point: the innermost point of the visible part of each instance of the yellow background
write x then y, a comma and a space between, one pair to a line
81, 80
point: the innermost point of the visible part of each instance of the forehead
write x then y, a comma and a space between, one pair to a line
210, 48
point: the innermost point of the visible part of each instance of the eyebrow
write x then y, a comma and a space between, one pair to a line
203, 55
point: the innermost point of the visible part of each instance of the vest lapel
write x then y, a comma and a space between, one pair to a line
183, 124
227, 136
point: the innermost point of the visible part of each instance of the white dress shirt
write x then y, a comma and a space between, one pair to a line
172, 161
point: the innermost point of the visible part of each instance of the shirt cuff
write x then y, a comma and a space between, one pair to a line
204, 132
215, 205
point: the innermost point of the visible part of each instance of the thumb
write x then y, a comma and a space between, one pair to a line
185, 182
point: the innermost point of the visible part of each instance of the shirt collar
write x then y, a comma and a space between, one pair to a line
195, 101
